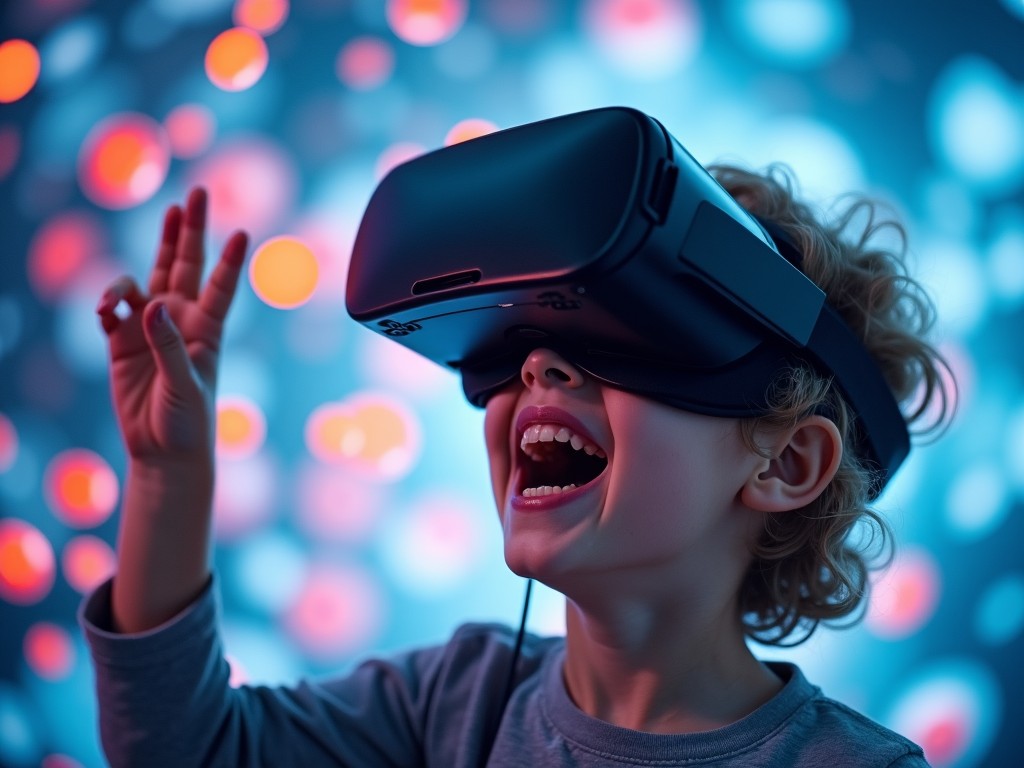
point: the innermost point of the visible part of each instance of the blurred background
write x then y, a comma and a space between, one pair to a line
353, 511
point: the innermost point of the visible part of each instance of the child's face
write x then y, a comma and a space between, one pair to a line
667, 500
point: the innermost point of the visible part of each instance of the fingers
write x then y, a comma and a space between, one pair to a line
124, 289
187, 262
168, 347
220, 290
160, 276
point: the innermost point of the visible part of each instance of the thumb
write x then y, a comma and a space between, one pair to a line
168, 347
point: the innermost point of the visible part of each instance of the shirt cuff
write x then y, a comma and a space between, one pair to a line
178, 635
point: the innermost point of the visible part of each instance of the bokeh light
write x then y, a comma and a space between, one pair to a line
952, 709
8, 443
19, 69
976, 124
20, 743
263, 16
904, 597
470, 128
800, 33
10, 149
644, 38
434, 545
251, 183
241, 427
395, 155
373, 434
979, 501
245, 496
27, 564
124, 160
425, 22
190, 129
365, 63
80, 487
61, 250
334, 505
49, 651
236, 59
87, 561
283, 272
338, 610
999, 616
72, 49
270, 569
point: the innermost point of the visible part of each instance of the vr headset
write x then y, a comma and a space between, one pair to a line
597, 234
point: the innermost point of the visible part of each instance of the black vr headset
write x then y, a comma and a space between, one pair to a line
598, 235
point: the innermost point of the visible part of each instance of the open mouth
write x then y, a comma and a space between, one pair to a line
554, 460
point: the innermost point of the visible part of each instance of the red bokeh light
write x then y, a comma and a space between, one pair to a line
49, 650
8, 443
87, 561
365, 63
337, 612
62, 250
81, 488
190, 129
27, 565
905, 596
124, 160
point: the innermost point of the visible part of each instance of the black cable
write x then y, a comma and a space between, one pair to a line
509, 682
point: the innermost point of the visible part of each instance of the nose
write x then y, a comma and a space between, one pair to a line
547, 368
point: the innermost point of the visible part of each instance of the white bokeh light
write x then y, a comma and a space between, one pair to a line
978, 501
976, 124
802, 33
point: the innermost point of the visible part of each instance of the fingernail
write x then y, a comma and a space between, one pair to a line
160, 317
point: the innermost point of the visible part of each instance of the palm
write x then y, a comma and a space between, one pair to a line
166, 410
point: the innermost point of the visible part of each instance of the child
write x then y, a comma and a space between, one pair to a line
698, 533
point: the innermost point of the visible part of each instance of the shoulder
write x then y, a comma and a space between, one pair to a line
836, 731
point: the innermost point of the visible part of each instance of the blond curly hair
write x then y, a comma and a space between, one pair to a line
808, 564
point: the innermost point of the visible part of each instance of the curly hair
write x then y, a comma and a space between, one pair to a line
809, 565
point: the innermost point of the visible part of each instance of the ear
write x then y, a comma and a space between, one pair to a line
804, 460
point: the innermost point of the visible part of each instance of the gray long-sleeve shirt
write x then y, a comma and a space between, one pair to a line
165, 701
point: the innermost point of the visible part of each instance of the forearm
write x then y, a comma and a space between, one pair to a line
163, 544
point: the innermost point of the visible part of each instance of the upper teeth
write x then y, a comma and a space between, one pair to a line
546, 433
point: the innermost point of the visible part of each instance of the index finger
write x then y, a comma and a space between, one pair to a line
220, 290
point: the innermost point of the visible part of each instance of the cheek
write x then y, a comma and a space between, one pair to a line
497, 428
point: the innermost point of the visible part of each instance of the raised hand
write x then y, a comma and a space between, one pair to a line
164, 355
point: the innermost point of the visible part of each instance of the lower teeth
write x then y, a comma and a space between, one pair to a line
548, 490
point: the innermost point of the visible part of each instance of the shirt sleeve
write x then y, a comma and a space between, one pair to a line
164, 700
909, 761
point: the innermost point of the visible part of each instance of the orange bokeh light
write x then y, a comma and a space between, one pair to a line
365, 63
27, 565
241, 427
426, 22
8, 443
61, 249
49, 650
81, 488
263, 16
124, 160
375, 435
190, 129
19, 69
465, 130
236, 59
284, 272
87, 561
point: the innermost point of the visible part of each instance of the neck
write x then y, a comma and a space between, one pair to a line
657, 668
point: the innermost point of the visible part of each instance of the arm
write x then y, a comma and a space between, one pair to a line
163, 367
